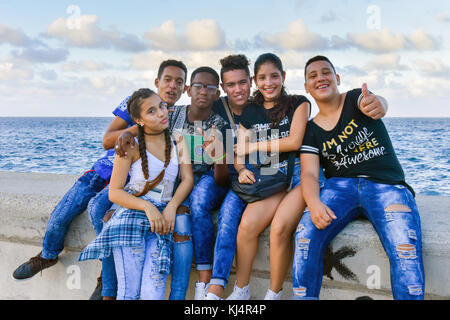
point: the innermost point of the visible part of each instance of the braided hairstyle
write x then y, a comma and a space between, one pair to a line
134, 109
286, 103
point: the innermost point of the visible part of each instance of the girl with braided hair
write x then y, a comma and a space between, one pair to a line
140, 233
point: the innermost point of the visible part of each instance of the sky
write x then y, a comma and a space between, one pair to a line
82, 58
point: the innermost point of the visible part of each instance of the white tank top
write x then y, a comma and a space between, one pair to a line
164, 190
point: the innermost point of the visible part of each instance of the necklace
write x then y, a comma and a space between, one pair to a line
154, 134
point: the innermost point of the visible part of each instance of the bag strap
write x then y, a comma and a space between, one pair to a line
290, 168
229, 113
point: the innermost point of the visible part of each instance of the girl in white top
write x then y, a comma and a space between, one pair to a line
154, 158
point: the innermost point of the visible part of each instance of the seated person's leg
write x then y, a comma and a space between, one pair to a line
182, 253
228, 223
205, 196
72, 204
97, 208
340, 195
393, 212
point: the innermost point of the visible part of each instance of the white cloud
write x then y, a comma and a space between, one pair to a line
204, 35
434, 68
151, 60
87, 33
390, 62
292, 59
11, 71
85, 65
165, 37
45, 55
297, 37
443, 17
378, 41
201, 35
421, 40
12, 36
383, 41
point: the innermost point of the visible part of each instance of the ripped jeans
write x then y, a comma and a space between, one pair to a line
398, 228
206, 196
137, 271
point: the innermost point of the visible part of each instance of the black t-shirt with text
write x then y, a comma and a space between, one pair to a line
357, 146
256, 117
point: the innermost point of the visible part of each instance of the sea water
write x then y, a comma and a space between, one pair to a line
72, 145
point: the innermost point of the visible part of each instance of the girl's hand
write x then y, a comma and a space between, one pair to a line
322, 216
246, 176
156, 219
169, 214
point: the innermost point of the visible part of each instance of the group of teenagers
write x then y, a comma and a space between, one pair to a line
168, 168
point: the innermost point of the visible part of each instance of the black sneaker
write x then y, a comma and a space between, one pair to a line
33, 266
97, 294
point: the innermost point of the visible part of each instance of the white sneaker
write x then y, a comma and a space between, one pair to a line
212, 296
201, 289
270, 295
240, 293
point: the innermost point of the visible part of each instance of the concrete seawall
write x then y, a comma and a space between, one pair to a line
27, 199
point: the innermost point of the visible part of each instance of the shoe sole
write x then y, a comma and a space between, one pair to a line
29, 278
22, 280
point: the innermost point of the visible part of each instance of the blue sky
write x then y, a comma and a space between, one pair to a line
82, 62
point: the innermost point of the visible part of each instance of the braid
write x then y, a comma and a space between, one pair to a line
168, 150
143, 152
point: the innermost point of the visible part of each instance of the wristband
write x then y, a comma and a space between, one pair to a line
222, 157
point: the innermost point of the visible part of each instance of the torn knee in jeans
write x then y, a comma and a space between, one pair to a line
397, 208
180, 238
393, 208
300, 291
406, 251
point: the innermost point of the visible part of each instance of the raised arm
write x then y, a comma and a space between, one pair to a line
372, 105
117, 128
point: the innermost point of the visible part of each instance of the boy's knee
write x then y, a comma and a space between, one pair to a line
397, 208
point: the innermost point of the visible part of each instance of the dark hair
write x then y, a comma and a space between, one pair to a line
318, 58
207, 70
134, 109
172, 63
234, 62
286, 103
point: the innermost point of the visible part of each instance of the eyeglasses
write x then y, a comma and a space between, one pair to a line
211, 89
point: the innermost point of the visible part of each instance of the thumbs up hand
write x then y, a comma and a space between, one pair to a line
371, 105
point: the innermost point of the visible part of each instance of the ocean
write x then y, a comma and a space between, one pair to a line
72, 145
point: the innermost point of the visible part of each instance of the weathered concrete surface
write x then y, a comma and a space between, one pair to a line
26, 201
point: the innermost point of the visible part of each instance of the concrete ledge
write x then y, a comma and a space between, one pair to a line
27, 199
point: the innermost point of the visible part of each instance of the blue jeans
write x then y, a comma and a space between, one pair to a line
97, 208
71, 205
182, 256
227, 228
399, 232
137, 271
206, 196
182, 251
